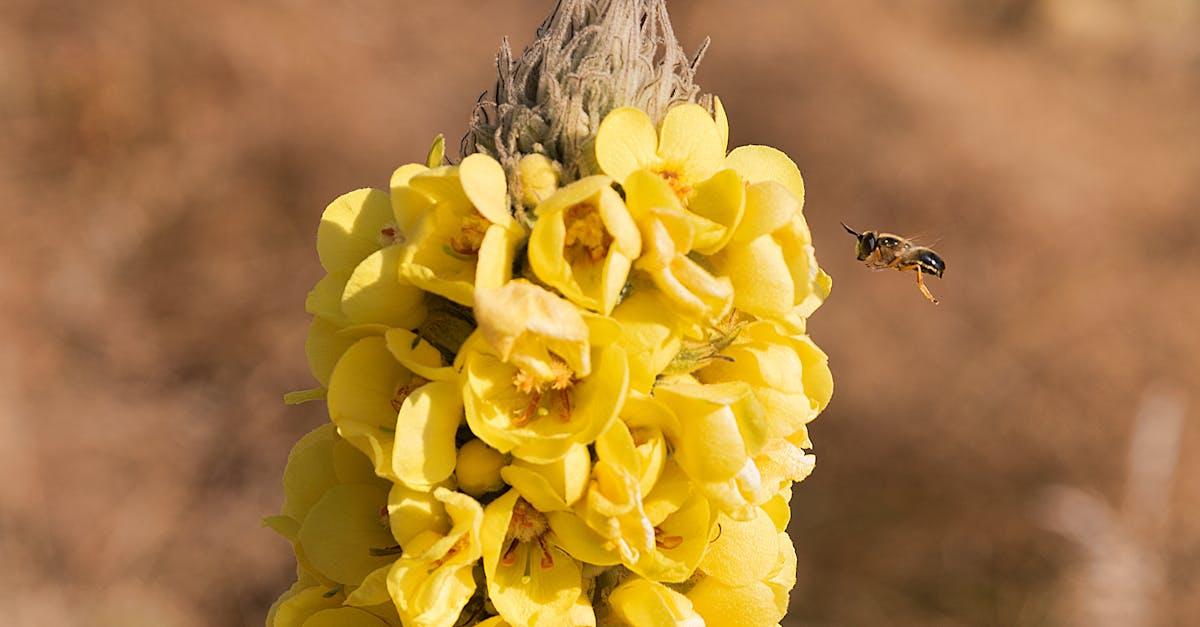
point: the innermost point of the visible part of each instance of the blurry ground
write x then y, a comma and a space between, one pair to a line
163, 167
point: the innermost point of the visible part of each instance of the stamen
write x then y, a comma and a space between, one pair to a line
665, 541
585, 237
470, 235
547, 559
564, 407
405, 389
510, 554
531, 410
674, 179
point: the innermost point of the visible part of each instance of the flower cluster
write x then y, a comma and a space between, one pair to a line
560, 402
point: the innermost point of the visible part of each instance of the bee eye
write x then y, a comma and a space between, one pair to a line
866, 245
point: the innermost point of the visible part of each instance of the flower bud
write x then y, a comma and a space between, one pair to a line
539, 178
478, 468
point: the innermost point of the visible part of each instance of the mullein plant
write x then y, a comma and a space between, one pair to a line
568, 377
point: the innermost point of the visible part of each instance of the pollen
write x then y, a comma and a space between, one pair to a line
527, 524
586, 238
674, 178
470, 235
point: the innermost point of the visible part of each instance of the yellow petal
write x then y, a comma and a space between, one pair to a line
418, 355
722, 121
529, 589
413, 512
341, 529
327, 342
309, 473
689, 139
762, 282
485, 184
424, 451
344, 617
325, 298
525, 323
376, 294
769, 207
299, 603
682, 539
650, 337
721, 605
365, 394
744, 552
573, 535
646, 192
764, 163
410, 207
555, 486
720, 200
643, 603
626, 141
373, 589
350, 228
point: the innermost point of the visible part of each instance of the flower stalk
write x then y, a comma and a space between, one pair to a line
568, 377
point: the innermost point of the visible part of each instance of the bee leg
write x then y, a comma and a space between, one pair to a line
925, 290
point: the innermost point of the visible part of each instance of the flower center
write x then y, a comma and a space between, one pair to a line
470, 235
586, 237
527, 525
403, 390
674, 178
534, 387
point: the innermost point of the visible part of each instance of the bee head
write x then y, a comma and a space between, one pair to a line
868, 241
931, 263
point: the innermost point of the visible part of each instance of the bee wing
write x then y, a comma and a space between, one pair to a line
922, 239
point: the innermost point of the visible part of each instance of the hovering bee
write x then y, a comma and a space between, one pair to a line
883, 250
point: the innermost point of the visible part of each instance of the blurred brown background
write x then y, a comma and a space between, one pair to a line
1024, 454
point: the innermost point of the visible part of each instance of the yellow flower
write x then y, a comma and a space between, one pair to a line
466, 236
538, 411
533, 578
555, 486
640, 602
538, 176
384, 387
307, 605
788, 374
724, 429
584, 243
650, 336
770, 259
669, 234
613, 505
685, 150
748, 570
413, 512
433, 580
363, 292
331, 509
531, 328
358, 243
